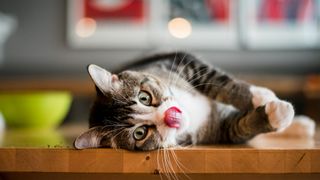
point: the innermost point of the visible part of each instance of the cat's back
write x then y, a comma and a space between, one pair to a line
164, 60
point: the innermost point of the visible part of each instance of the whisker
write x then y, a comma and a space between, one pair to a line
180, 165
158, 164
205, 74
178, 68
170, 167
190, 79
174, 175
229, 90
171, 152
117, 92
171, 69
121, 130
181, 68
164, 165
127, 92
120, 101
193, 87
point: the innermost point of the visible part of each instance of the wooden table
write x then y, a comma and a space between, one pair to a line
49, 153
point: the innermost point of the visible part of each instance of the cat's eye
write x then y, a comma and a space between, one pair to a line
140, 133
145, 98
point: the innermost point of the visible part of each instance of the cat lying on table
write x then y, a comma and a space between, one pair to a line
174, 99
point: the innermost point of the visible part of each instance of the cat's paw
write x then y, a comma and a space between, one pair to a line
261, 96
280, 114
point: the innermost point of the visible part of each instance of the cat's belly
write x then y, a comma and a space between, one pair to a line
197, 108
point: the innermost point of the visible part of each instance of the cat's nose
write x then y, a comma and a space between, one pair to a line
167, 98
172, 117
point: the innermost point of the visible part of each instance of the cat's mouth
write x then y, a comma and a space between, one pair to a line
172, 117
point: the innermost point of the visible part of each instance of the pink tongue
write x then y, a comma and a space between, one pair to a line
172, 117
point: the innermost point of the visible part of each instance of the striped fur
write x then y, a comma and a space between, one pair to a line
225, 112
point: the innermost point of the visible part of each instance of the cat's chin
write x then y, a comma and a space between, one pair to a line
172, 134
166, 145
168, 136
184, 125
181, 130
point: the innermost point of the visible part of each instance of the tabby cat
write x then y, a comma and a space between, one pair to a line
175, 99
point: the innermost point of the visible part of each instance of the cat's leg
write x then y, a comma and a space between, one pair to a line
211, 81
238, 126
219, 85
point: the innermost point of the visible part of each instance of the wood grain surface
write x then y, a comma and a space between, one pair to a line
194, 160
25, 151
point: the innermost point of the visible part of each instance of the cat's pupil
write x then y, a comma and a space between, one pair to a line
145, 98
140, 133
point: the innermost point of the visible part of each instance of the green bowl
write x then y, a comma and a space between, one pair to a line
43, 109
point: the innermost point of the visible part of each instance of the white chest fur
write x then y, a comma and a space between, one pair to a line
197, 108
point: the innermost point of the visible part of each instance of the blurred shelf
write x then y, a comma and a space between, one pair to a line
312, 87
77, 86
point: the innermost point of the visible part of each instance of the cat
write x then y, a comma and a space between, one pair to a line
175, 99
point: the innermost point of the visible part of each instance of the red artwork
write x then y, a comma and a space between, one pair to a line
128, 10
287, 10
219, 10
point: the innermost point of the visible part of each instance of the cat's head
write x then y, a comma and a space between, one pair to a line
133, 110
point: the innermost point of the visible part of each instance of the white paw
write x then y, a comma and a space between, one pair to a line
280, 114
261, 96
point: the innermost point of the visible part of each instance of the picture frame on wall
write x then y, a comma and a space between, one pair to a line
203, 24
108, 23
208, 24
278, 24
318, 22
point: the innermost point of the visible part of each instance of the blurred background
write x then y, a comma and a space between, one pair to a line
46, 45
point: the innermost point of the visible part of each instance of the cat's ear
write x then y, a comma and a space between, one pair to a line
93, 138
102, 78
